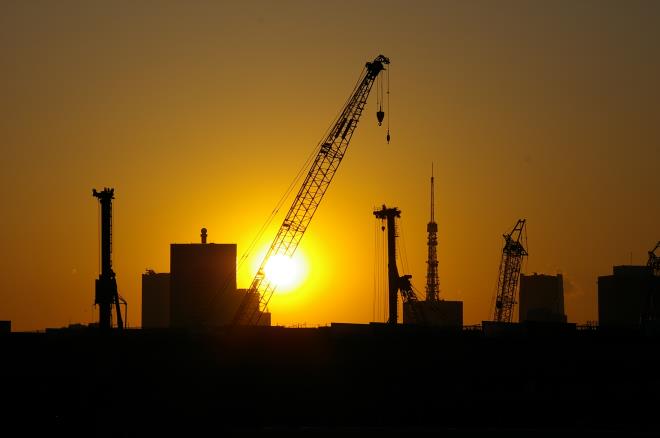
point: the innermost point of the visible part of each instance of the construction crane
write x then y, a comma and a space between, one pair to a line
507, 281
654, 260
107, 295
649, 311
432, 279
330, 153
396, 283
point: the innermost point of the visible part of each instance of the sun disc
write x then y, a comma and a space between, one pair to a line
283, 271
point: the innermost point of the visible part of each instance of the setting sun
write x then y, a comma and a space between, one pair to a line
285, 272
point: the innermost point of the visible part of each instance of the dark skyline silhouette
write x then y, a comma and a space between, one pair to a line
345, 379
200, 114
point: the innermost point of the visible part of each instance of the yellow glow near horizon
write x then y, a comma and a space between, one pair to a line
286, 272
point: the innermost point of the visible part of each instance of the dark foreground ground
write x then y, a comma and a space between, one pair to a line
343, 380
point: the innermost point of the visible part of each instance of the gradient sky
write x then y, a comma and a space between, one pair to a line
201, 113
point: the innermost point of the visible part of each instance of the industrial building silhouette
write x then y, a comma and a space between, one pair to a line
200, 290
440, 313
541, 298
628, 298
204, 360
155, 299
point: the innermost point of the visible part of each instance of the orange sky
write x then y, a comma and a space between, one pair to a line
200, 115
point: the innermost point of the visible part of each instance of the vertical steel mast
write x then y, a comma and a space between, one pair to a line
507, 281
389, 215
432, 279
330, 153
106, 284
396, 283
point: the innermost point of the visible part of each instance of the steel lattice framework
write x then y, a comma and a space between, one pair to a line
507, 282
432, 278
330, 154
654, 260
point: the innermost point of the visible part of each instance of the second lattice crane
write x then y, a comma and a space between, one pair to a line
513, 253
654, 260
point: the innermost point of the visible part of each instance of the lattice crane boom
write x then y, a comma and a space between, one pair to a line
654, 260
330, 154
509, 274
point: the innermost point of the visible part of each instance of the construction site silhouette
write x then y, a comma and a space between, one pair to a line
208, 361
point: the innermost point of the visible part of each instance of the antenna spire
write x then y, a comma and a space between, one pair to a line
432, 196
432, 278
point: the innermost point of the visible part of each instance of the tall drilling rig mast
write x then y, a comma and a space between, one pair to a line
331, 150
106, 285
507, 282
432, 279
396, 283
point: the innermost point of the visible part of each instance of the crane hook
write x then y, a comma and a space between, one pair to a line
380, 115
388, 136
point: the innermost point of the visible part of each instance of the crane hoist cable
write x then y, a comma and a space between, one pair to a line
389, 110
380, 114
330, 152
380, 99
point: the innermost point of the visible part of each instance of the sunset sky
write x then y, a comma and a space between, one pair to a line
200, 114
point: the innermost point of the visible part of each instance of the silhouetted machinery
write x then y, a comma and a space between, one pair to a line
107, 296
331, 150
654, 260
651, 309
507, 281
396, 283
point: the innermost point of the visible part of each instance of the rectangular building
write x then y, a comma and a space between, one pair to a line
629, 296
434, 313
541, 298
155, 300
202, 284
5, 326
